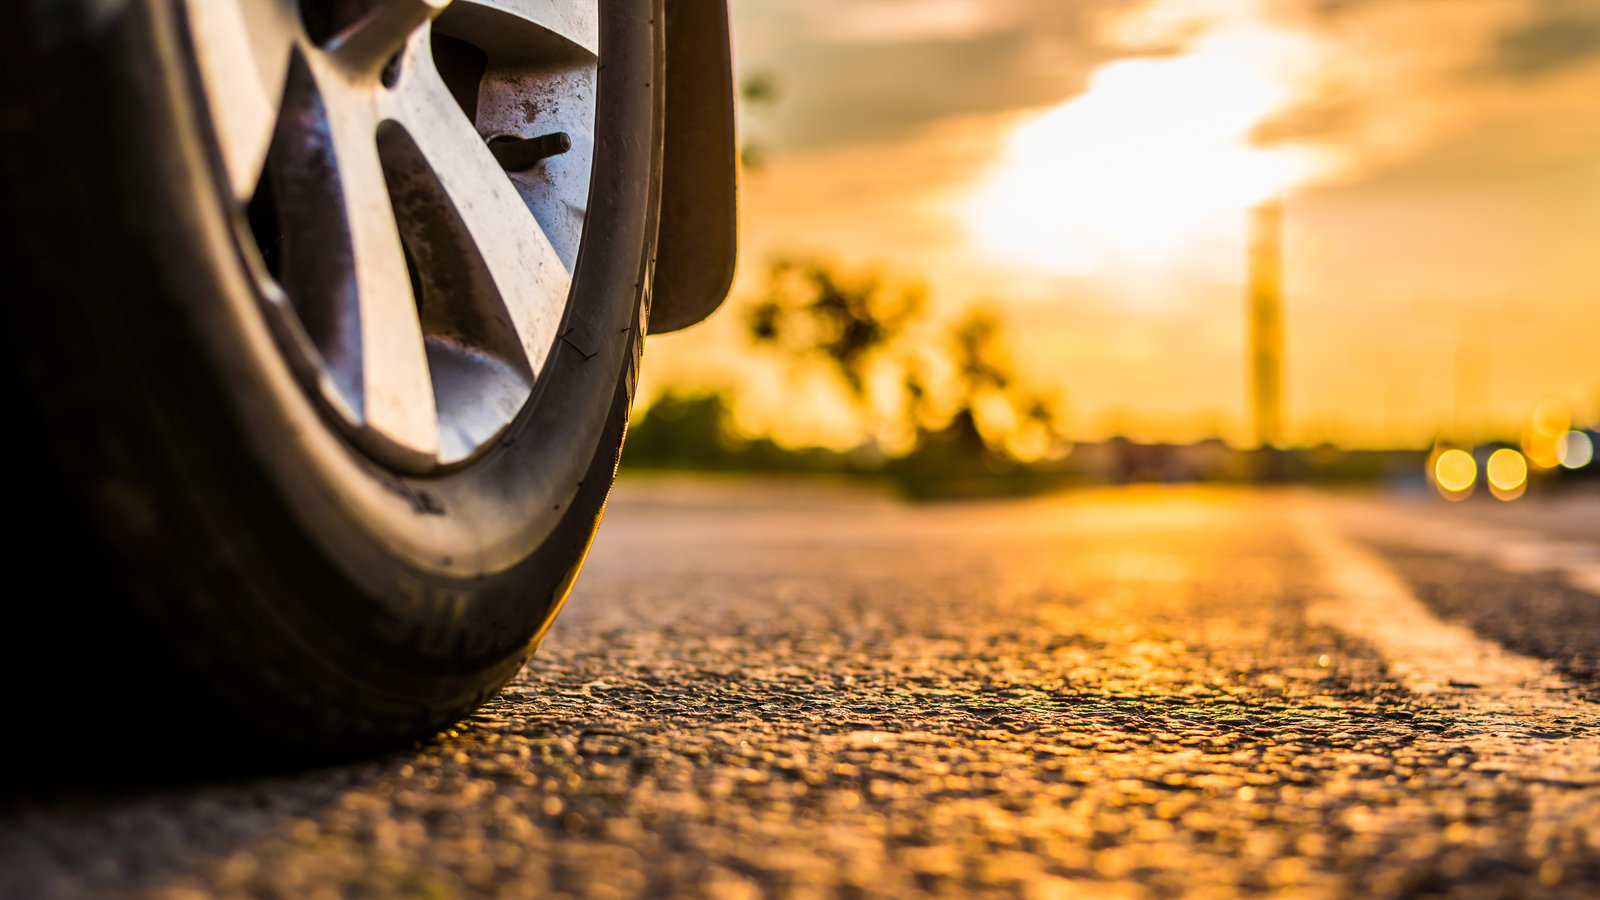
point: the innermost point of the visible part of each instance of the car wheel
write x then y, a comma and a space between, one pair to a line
341, 333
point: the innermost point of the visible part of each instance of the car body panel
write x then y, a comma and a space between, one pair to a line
699, 194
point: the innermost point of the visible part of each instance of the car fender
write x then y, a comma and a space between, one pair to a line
698, 235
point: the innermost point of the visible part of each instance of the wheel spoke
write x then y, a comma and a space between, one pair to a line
396, 391
574, 21
428, 278
383, 31
242, 49
523, 265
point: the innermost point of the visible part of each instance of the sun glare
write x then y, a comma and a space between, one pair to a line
1150, 155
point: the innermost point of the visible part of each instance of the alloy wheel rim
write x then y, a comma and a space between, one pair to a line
413, 176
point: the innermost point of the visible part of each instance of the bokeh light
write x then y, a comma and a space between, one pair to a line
1542, 448
1575, 449
1455, 472
1542, 437
1507, 473
1552, 415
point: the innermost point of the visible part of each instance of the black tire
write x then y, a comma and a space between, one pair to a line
288, 586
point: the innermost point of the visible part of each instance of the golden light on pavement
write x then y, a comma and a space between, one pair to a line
1575, 449
1454, 473
1507, 473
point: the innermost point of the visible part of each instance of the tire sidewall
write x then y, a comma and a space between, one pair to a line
298, 573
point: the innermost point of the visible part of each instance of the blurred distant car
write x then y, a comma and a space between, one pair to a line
324, 316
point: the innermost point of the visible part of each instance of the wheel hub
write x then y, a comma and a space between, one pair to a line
413, 177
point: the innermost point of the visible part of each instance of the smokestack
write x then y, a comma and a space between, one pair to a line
1266, 322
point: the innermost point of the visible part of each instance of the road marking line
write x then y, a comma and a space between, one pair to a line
1516, 712
1371, 602
1511, 550
1513, 712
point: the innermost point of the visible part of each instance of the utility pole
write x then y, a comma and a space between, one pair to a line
1266, 322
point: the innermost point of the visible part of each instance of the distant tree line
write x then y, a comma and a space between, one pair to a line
944, 398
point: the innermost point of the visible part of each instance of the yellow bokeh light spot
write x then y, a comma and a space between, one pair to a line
1541, 439
1455, 471
1575, 449
1507, 472
1552, 416
1542, 447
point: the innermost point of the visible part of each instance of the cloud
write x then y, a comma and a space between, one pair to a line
856, 71
1382, 85
1429, 88
1308, 121
1560, 36
901, 21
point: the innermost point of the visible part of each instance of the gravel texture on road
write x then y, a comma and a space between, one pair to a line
809, 693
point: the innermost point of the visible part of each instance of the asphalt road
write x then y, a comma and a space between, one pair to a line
807, 692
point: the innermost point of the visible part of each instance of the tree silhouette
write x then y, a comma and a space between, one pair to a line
858, 324
808, 309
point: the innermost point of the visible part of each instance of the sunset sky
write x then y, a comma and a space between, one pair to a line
1085, 166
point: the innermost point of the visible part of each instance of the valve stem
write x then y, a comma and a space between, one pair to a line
517, 154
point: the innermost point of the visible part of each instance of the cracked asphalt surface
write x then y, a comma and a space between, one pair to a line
760, 691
